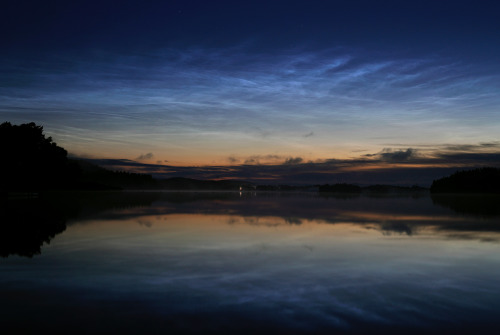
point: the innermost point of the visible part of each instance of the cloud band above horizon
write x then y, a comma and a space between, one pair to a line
201, 106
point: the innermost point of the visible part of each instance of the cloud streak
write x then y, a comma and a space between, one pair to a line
394, 156
169, 98
147, 156
389, 166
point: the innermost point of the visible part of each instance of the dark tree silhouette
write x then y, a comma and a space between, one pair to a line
32, 161
27, 224
483, 180
340, 188
480, 205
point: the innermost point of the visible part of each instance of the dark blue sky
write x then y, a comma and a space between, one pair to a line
193, 83
461, 28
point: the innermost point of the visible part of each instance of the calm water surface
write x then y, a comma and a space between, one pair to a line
250, 263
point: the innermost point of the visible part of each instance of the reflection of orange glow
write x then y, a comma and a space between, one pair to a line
227, 178
368, 166
381, 166
378, 217
237, 231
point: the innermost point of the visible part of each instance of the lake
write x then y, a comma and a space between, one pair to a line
245, 263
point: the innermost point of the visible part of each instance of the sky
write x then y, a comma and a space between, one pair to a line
397, 92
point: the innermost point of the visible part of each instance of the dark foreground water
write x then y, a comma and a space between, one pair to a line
227, 263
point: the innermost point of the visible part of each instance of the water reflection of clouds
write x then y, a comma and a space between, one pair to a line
147, 223
266, 221
335, 271
394, 216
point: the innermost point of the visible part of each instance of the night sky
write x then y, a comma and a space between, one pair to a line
397, 92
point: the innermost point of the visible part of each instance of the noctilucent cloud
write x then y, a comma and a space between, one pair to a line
314, 84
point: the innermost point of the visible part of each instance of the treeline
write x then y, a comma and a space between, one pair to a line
93, 177
31, 161
34, 162
482, 180
179, 183
285, 188
355, 189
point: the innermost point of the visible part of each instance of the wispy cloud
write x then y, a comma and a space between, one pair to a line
259, 159
390, 166
394, 156
233, 160
173, 96
293, 160
473, 147
147, 156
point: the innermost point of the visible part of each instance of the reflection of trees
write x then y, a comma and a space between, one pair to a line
400, 228
27, 225
478, 205
403, 214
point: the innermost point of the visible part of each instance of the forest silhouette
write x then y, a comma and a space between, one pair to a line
34, 162
482, 180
